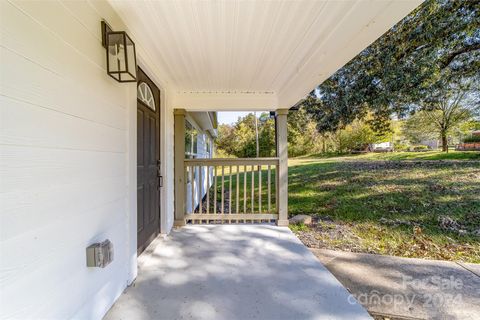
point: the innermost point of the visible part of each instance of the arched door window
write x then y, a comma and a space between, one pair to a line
145, 95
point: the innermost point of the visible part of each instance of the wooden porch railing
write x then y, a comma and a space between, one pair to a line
231, 190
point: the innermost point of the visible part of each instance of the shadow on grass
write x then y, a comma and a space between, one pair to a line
366, 192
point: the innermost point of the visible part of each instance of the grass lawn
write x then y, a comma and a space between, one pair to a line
390, 203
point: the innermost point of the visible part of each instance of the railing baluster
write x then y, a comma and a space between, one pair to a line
215, 190
259, 189
253, 188
192, 175
222, 209
200, 187
276, 188
269, 191
238, 190
230, 190
244, 189
208, 189
185, 181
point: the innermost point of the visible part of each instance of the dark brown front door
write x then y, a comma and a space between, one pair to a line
148, 161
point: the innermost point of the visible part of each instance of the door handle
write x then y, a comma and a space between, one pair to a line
159, 173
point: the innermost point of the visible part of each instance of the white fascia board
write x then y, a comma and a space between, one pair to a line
193, 122
202, 119
226, 101
213, 133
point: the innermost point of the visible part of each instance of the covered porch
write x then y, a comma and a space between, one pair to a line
225, 259
243, 56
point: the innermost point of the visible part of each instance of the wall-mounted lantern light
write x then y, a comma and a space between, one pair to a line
121, 58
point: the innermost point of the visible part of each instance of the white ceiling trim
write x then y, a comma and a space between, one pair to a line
226, 101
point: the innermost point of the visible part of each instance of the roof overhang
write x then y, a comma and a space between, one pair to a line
206, 120
253, 55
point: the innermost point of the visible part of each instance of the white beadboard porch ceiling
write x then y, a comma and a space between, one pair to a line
253, 55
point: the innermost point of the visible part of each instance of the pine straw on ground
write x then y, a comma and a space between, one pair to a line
377, 239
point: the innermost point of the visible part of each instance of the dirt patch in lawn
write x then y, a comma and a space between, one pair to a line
326, 233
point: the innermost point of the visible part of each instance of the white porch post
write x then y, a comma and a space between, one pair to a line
282, 154
179, 147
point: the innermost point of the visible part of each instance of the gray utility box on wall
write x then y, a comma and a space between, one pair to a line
100, 254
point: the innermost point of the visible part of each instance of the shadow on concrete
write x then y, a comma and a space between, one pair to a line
234, 272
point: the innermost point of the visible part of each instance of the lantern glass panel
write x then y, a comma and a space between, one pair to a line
131, 74
116, 52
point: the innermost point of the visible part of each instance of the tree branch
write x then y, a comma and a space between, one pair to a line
468, 48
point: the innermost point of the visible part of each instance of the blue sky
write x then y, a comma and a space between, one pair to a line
232, 116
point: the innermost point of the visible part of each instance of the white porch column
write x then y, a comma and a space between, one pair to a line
282, 154
179, 169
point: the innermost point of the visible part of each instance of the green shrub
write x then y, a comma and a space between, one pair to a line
472, 139
299, 227
401, 146
420, 148
220, 153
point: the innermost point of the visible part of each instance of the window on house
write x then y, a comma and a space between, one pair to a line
209, 146
191, 141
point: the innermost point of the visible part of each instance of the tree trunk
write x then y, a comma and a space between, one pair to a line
444, 142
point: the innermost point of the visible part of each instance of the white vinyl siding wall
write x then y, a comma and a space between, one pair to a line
64, 160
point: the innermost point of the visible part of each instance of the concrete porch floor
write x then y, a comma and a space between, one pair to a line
233, 272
